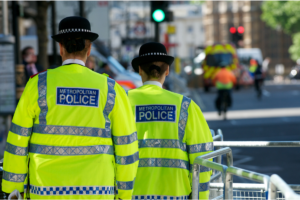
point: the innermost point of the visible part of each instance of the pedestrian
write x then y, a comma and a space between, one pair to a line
258, 79
257, 74
91, 63
73, 134
29, 62
265, 65
171, 130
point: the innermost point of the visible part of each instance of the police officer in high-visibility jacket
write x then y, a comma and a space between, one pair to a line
73, 134
171, 129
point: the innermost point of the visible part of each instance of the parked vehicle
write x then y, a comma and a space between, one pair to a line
215, 56
245, 55
295, 72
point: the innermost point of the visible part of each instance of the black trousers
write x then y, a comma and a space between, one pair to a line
218, 101
257, 84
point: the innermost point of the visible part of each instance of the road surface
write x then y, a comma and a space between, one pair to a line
276, 117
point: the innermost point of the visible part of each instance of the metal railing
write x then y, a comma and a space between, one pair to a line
218, 137
218, 142
257, 144
277, 183
212, 132
223, 173
227, 172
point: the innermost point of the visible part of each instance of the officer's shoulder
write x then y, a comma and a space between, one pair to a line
97, 75
37, 74
174, 94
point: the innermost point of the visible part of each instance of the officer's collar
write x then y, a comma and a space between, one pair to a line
153, 83
73, 61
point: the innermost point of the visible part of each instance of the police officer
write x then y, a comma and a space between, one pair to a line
73, 133
171, 129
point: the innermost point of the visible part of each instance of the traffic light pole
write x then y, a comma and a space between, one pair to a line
81, 9
53, 21
156, 32
15, 27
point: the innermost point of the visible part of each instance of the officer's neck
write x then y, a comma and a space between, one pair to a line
160, 80
145, 77
74, 57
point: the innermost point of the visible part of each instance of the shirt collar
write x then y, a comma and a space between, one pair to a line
153, 83
73, 61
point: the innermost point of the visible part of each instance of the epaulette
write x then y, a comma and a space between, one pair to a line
104, 74
37, 74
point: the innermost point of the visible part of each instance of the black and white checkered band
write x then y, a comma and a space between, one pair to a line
72, 30
155, 54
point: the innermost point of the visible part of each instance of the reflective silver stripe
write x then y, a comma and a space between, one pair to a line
8, 176
19, 130
203, 187
125, 185
71, 151
198, 148
161, 143
126, 160
42, 100
163, 162
72, 190
155, 197
183, 118
128, 139
71, 130
110, 102
20, 151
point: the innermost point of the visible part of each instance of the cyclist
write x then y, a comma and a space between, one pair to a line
224, 80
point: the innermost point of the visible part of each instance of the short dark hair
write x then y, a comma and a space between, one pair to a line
24, 51
78, 46
154, 72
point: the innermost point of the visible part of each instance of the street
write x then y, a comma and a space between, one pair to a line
250, 120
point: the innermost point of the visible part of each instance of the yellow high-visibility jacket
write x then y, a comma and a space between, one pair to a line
72, 136
172, 132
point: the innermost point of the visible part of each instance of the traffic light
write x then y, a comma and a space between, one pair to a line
232, 30
159, 12
236, 34
240, 31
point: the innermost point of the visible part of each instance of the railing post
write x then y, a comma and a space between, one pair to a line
272, 191
219, 158
229, 159
228, 191
195, 184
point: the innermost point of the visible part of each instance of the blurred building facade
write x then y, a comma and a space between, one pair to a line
220, 16
131, 21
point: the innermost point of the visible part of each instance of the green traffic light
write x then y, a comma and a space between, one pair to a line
158, 15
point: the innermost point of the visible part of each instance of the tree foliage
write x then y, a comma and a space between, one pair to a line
295, 48
284, 15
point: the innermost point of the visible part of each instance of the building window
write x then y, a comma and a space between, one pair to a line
189, 29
